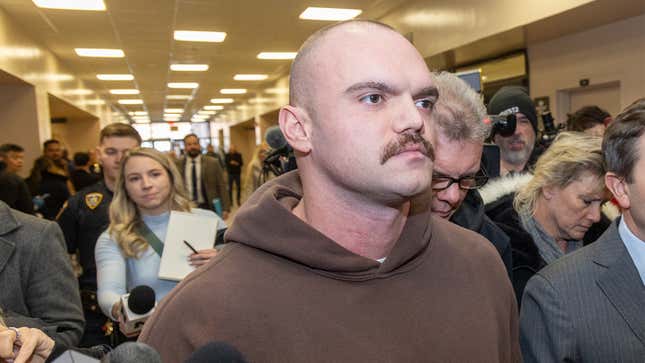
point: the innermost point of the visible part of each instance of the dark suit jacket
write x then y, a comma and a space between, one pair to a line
588, 306
213, 182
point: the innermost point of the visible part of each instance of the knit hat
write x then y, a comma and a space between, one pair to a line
511, 100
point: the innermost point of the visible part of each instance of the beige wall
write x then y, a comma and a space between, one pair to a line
19, 121
243, 137
77, 134
29, 61
604, 55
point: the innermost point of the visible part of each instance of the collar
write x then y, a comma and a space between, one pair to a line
635, 247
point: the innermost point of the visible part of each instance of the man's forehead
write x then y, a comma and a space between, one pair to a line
116, 141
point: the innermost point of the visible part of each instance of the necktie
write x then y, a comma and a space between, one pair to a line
194, 181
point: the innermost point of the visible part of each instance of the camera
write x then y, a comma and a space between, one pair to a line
503, 125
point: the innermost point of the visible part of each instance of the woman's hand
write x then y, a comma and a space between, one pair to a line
28, 345
201, 257
117, 313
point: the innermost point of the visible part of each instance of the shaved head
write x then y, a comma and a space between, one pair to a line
301, 79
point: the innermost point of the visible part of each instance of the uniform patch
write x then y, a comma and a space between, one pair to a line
92, 200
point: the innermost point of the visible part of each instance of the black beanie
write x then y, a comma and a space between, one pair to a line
511, 100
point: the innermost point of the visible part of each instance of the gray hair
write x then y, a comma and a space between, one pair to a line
459, 111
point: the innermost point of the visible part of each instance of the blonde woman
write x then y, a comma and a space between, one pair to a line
254, 178
553, 211
148, 188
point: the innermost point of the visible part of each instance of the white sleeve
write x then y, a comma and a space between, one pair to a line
110, 273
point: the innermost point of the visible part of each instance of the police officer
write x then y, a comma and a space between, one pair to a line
86, 215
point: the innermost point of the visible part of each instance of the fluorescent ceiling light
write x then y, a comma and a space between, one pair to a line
250, 77
199, 36
138, 113
77, 92
222, 100
95, 5
173, 110
329, 14
189, 67
142, 121
98, 52
233, 91
277, 55
124, 91
94, 102
213, 108
178, 97
115, 77
188, 85
141, 118
206, 113
131, 102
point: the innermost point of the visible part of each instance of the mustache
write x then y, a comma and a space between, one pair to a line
397, 146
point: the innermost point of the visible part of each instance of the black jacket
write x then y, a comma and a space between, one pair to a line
526, 256
470, 215
14, 191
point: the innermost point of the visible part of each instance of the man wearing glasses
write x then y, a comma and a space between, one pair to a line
459, 141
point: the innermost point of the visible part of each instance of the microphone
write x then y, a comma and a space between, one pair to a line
133, 352
216, 352
138, 305
275, 138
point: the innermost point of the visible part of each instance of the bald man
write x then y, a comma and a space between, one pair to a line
340, 261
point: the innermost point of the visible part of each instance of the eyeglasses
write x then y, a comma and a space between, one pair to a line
442, 182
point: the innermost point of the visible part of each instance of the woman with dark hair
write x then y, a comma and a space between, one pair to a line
591, 120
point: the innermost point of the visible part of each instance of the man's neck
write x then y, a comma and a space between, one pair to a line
109, 183
505, 168
365, 228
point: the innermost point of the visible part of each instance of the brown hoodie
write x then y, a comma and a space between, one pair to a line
283, 292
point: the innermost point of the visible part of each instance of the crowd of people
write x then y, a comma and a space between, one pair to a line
391, 242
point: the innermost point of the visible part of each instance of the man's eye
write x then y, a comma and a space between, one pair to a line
425, 103
372, 99
110, 152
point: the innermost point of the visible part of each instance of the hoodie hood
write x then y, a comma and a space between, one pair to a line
266, 222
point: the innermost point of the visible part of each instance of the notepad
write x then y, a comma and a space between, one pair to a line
198, 229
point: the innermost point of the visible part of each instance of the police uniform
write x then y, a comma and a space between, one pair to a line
83, 218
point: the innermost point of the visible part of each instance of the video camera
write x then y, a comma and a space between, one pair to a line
280, 158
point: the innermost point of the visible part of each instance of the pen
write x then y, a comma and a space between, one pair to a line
189, 246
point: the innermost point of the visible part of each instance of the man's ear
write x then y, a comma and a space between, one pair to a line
295, 126
619, 188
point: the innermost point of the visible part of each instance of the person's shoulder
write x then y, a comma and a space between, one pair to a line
573, 269
23, 227
461, 242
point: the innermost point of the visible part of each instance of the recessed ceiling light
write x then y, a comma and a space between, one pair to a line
250, 77
213, 108
188, 85
206, 112
98, 52
189, 67
173, 110
124, 91
95, 5
141, 118
115, 77
329, 14
138, 113
222, 100
233, 91
199, 36
142, 121
178, 97
277, 55
167, 118
94, 102
131, 102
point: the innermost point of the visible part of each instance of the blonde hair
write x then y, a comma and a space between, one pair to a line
124, 214
570, 155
